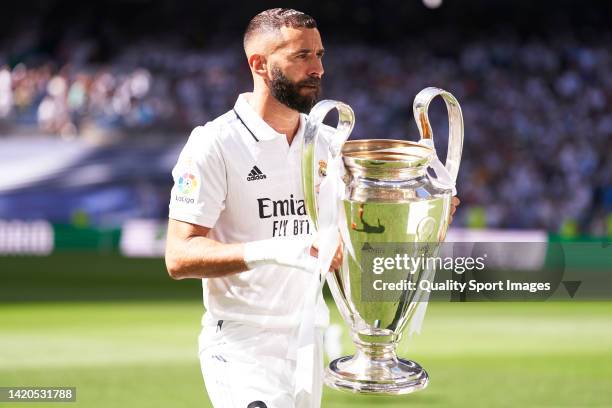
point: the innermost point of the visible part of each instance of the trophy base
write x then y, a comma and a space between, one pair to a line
361, 374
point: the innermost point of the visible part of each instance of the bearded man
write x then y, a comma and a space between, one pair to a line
238, 220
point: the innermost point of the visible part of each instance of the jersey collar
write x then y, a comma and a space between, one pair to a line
256, 124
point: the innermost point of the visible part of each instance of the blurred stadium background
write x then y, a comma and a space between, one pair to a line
96, 100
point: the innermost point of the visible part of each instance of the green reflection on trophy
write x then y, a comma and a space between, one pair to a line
390, 199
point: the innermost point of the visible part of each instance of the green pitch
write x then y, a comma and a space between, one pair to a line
108, 336
144, 354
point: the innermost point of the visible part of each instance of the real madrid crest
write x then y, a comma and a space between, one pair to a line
322, 168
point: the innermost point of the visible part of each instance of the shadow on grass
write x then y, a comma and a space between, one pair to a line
90, 275
84, 275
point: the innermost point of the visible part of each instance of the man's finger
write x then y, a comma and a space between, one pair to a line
337, 260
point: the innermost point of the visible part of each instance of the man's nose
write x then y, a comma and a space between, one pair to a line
316, 68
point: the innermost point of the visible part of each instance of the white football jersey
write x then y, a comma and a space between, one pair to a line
239, 177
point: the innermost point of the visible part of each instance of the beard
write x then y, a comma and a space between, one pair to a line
288, 92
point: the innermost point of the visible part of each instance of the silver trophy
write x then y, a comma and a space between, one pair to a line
389, 198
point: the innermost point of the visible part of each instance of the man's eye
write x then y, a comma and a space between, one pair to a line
302, 56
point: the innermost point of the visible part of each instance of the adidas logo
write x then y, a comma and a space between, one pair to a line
255, 174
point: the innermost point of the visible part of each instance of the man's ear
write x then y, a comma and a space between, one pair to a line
259, 64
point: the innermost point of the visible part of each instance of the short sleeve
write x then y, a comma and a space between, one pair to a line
200, 183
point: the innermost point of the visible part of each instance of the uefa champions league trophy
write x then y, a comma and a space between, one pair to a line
388, 198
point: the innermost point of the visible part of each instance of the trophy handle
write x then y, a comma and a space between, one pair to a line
346, 121
455, 125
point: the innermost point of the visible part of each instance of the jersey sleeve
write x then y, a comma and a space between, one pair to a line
200, 182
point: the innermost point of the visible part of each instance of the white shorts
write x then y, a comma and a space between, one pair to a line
247, 366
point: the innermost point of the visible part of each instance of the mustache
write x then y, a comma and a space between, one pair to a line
314, 82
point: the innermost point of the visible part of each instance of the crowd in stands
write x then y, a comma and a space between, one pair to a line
537, 111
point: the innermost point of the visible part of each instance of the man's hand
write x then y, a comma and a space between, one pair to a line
336, 260
454, 204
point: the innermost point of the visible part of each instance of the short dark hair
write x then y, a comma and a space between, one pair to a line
274, 19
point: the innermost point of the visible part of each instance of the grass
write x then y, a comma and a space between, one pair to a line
144, 354
125, 335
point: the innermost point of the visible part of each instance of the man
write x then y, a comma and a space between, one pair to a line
238, 220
